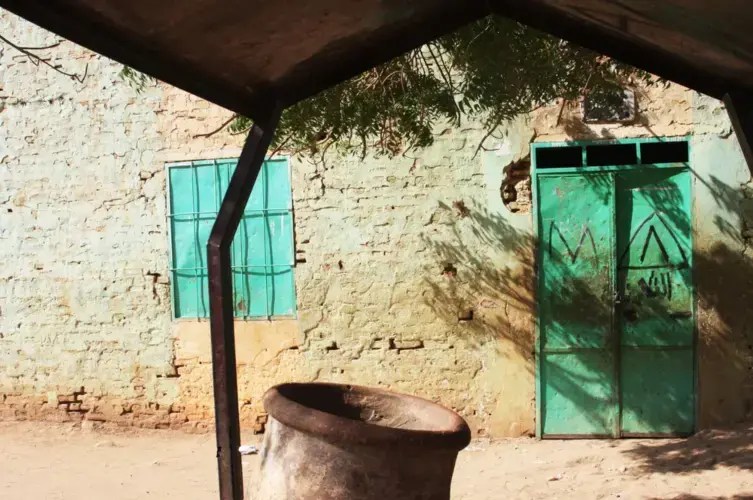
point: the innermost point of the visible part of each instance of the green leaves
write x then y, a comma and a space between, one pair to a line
135, 79
492, 71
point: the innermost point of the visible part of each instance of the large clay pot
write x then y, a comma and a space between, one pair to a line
344, 442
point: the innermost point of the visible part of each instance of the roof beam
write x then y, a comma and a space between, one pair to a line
310, 78
56, 16
610, 43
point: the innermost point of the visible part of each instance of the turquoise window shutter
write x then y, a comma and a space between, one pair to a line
262, 252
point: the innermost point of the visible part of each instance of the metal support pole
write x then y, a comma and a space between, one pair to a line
227, 420
740, 109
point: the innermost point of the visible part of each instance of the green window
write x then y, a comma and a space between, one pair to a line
262, 251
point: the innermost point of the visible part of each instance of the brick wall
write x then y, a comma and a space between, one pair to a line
84, 291
413, 273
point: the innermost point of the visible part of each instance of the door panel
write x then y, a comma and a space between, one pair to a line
575, 304
579, 396
655, 308
657, 392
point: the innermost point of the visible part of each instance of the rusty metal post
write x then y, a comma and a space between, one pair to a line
227, 420
740, 109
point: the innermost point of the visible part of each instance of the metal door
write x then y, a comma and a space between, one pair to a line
655, 306
576, 219
615, 299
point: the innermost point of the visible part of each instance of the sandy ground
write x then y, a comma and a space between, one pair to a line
51, 462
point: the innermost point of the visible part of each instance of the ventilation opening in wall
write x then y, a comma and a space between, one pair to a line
664, 152
605, 155
611, 154
559, 157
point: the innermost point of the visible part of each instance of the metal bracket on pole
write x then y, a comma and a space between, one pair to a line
740, 109
227, 420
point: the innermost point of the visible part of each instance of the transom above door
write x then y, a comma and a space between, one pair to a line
615, 346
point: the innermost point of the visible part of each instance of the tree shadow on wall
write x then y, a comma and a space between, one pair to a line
483, 288
480, 297
723, 277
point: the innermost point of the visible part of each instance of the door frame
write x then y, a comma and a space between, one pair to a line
535, 172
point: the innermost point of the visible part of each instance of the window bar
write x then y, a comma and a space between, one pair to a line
245, 273
199, 288
267, 237
240, 269
291, 256
250, 266
171, 232
213, 214
233, 263
217, 191
217, 187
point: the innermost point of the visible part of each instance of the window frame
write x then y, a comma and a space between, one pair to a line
169, 233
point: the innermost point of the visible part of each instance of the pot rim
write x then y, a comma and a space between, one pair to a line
341, 429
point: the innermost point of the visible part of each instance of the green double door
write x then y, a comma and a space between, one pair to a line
615, 298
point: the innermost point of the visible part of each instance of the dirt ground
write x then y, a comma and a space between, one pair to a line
64, 462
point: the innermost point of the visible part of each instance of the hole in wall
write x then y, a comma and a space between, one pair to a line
462, 210
465, 315
516, 186
450, 270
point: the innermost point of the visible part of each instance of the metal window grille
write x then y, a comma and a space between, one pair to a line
262, 252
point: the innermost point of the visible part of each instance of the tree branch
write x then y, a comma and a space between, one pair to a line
36, 60
443, 71
582, 92
218, 129
245, 130
280, 146
56, 44
562, 109
489, 132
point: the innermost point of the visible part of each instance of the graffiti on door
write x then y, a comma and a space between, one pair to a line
573, 253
